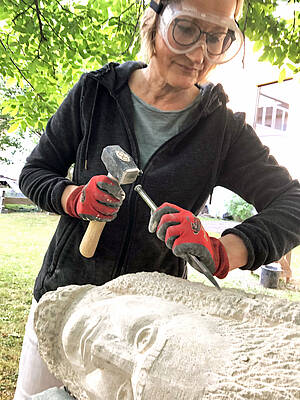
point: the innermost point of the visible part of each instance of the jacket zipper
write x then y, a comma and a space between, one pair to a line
124, 252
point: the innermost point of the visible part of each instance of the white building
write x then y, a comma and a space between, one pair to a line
272, 108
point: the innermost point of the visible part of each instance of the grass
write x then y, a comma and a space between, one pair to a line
249, 282
20, 208
24, 238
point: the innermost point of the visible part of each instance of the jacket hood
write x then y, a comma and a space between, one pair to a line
114, 76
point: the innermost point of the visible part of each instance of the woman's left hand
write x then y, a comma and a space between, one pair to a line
184, 234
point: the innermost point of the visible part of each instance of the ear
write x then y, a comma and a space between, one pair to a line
145, 338
153, 40
125, 392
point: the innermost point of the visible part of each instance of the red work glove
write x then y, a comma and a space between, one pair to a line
184, 234
99, 200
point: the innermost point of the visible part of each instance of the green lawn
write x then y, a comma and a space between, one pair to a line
24, 238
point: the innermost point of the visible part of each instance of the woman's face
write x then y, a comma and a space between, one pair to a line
104, 340
184, 70
131, 344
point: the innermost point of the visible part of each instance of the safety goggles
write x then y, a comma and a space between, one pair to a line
184, 28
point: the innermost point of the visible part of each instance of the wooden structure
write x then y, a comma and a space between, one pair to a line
18, 197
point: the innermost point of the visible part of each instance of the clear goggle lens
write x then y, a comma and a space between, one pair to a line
186, 29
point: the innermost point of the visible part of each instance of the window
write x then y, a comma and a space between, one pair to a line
279, 119
259, 115
271, 112
269, 116
285, 121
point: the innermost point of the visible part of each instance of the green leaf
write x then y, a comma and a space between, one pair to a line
13, 127
14, 112
10, 82
6, 109
23, 125
282, 75
263, 57
291, 66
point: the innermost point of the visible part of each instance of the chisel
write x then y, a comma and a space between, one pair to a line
192, 260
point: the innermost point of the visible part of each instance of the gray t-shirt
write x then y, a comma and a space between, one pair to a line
153, 127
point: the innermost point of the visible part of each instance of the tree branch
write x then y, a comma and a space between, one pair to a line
54, 31
63, 8
134, 31
119, 16
20, 71
294, 24
38, 13
50, 26
21, 13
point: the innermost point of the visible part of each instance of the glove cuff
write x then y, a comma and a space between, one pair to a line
220, 258
72, 201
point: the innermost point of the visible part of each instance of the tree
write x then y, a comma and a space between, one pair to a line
239, 209
46, 45
278, 38
16, 141
7, 141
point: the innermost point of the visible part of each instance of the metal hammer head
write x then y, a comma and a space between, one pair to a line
119, 164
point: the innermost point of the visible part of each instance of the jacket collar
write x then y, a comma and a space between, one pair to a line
114, 76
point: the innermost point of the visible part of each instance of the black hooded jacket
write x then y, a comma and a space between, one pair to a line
217, 149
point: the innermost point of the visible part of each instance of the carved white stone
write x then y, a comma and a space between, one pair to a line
152, 336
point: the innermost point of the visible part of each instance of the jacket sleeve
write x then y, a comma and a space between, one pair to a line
250, 171
43, 178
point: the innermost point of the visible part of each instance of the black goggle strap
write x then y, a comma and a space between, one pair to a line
157, 7
231, 33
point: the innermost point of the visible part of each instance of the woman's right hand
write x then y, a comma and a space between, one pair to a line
99, 200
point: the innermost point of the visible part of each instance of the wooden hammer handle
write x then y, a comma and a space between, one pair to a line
92, 235
91, 238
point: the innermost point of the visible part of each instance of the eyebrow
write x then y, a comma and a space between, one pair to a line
217, 28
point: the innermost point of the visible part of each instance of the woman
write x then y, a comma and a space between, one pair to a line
179, 131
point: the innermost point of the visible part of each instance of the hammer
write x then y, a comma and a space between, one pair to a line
121, 168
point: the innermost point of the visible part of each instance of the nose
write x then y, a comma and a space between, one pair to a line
107, 356
196, 55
